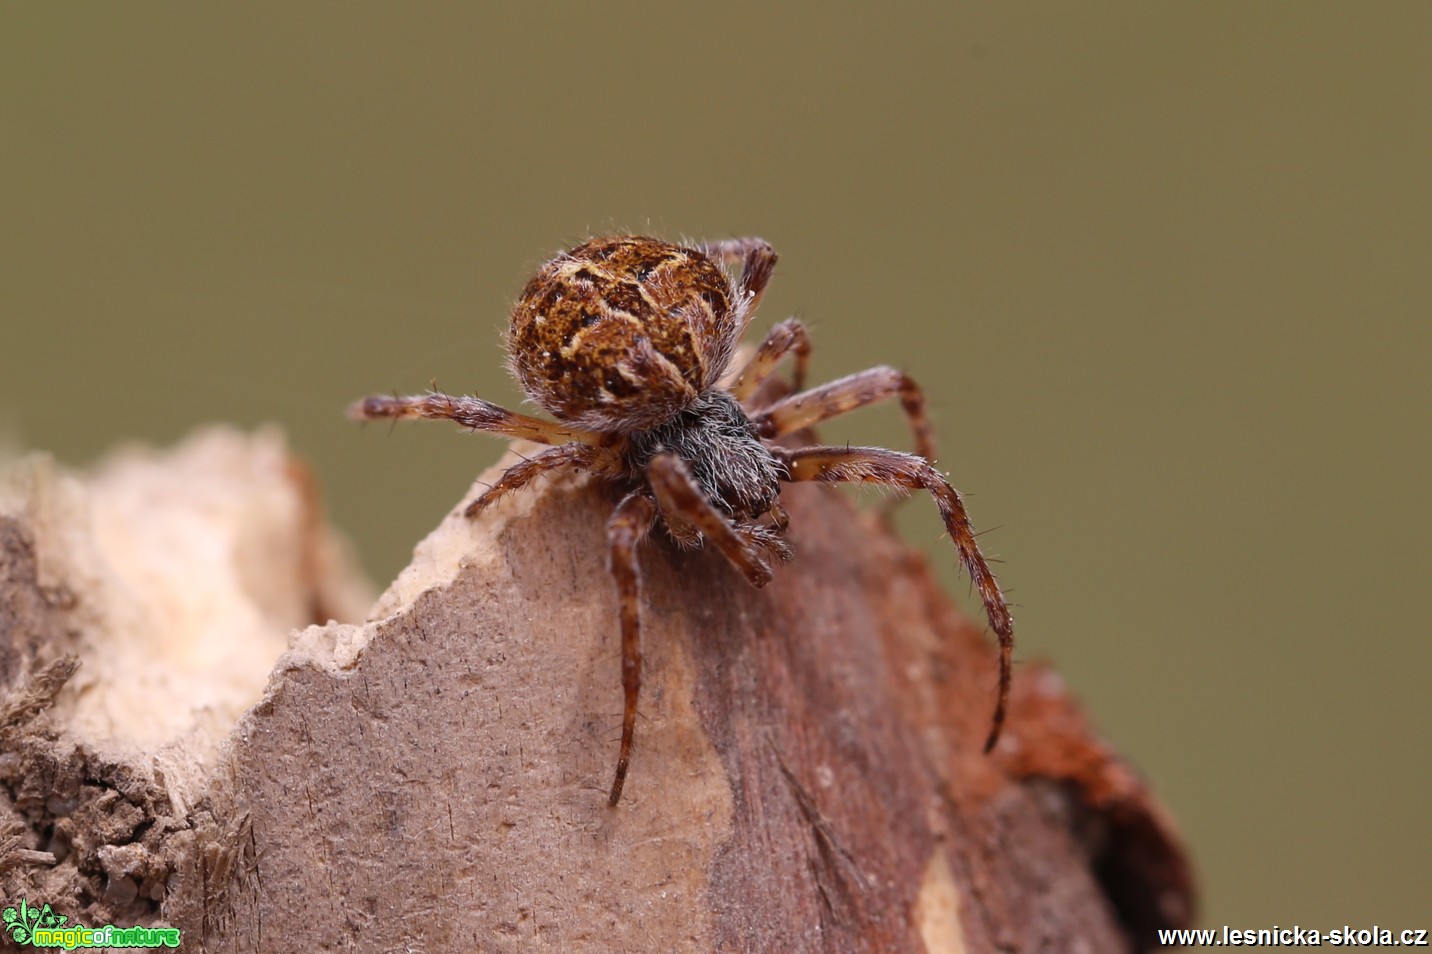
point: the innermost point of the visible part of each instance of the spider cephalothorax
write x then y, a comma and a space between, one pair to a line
627, 341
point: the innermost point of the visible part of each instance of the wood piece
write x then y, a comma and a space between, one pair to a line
807, 773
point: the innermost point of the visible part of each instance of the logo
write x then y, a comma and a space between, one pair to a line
41, 927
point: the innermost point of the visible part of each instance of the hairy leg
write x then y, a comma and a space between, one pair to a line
520, 475
470, 412
629, 524
769, 539
757, 260
874, 465
683, 503
788, 337
841, 396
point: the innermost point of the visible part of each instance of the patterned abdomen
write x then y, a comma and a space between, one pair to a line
618, 334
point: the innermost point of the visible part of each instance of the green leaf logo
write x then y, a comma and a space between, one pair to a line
21, 924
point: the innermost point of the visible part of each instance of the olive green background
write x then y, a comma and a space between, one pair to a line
1162, 268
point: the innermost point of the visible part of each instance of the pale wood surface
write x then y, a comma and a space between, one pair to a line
807, 774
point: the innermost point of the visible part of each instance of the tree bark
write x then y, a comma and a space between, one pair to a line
807, 773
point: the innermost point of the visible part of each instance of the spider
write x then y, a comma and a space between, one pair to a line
627, 341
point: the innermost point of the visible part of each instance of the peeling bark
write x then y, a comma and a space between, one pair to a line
807, 774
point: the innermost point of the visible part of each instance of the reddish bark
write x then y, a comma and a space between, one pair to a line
807, 776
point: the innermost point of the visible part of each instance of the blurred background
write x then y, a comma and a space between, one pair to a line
1162, 269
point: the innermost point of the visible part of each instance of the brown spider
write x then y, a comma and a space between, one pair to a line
626, 341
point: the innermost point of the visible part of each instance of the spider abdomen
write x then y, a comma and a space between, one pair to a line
620, 334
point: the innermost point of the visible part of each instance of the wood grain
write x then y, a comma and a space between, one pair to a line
807, 773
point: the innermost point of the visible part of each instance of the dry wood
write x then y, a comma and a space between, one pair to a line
807, 776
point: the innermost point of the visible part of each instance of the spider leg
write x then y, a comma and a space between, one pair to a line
841, 396
520, 475
683, 502
629, 524
757, 260
473, 413
788, 337
874, 465
768, 538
